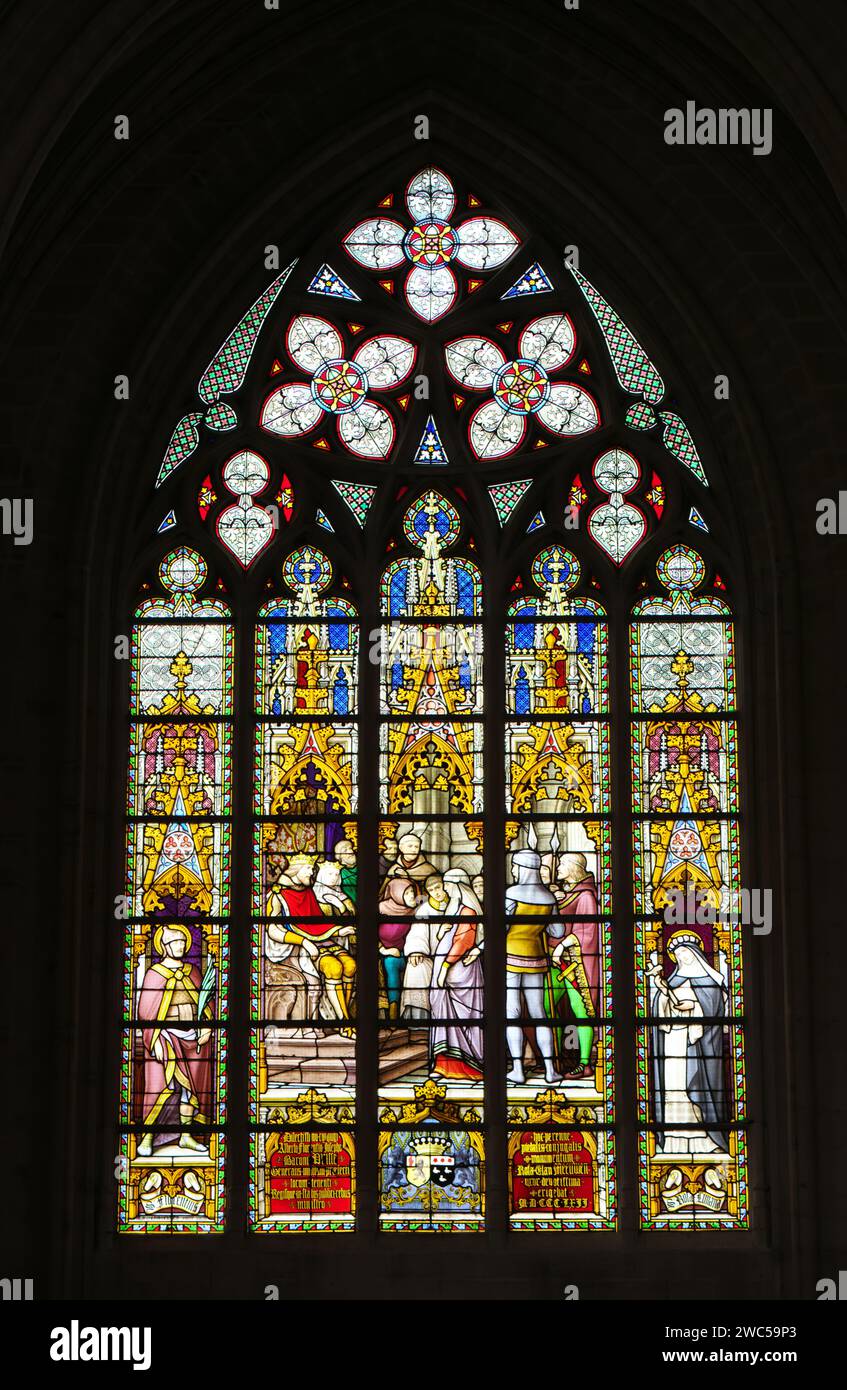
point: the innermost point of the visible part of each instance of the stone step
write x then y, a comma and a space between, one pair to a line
312, 1071
313, 1045
399, 1061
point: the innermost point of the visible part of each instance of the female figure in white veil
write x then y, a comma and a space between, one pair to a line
689, 1091
456, 993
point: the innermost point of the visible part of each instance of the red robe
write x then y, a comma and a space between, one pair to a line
183, 1062
577, 908
301, 902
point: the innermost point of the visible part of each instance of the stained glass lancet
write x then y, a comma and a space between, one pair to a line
687, 903
558, 904
177, 864
431, 932
303, 1070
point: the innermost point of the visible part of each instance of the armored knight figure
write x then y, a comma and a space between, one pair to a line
530, 915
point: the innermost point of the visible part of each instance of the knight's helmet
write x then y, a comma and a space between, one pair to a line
528, 887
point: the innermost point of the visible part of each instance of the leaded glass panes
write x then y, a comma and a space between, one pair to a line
305, 871
385, 805
687, 900
558, 904
431, 924
179, 802
521, 387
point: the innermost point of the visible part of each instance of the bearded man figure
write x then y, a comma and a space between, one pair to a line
411, 862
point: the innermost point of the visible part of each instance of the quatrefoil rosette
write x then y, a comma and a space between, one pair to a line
521, 387
339, 386
431, 244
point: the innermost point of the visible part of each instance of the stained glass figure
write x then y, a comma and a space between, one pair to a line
687, 904
431, 926
433, 795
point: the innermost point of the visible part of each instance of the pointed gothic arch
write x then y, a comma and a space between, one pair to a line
447, 392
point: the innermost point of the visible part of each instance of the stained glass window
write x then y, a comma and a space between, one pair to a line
425, 637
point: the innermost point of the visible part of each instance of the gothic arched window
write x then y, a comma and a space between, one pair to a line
433, 799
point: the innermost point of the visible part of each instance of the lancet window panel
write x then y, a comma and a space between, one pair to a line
302, 1096
560, 1179
431, 1054
179, 805
687, 881
559, 1037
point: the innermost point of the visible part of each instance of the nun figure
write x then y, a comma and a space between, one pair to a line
688, 1046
